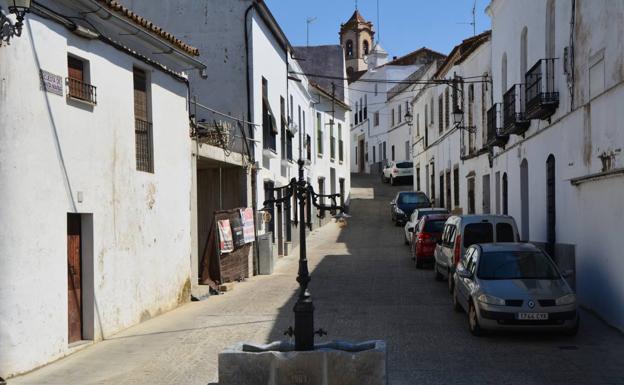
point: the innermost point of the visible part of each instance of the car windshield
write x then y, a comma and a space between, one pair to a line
516, 265
412, 198
434, 226
405, 165
478, 233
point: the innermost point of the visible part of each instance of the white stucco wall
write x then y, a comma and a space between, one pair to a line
52, 150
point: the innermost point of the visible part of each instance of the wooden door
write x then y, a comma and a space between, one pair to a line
74, 278
75, 72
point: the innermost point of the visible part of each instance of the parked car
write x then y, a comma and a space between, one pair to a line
405, 202
462, 231
513, 286
426, 233
395, 172
415, 217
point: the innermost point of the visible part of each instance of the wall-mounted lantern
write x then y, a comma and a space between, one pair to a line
9, 30
409, 118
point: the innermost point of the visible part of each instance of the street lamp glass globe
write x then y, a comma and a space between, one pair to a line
19, 5
409, 118
458, 116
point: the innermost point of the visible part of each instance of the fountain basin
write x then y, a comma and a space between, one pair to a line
277, 363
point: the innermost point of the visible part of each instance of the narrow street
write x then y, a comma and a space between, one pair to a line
364, 286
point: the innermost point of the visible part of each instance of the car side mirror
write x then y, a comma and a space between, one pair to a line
439, 242
391, 203
410, 229
567, 273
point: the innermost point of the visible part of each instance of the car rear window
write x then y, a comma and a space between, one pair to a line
478, 233
504, 232
405, 165
412, 198
433, 212
434, 226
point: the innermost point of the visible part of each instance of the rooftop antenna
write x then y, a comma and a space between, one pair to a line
474, 18
378, 24
309, 21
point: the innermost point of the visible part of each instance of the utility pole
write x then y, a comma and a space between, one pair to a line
309, 21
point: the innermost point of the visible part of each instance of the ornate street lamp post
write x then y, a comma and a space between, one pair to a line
304, 308
7, 29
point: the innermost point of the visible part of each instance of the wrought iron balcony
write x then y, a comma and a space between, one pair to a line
495, 135
82, 91
542, 99
514, 118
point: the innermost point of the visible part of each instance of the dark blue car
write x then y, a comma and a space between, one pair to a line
405, 203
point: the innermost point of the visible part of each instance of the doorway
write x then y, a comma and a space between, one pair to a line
486, 194
74, 277
551, 213
361, 155
524, 198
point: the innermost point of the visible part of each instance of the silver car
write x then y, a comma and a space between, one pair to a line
513, 286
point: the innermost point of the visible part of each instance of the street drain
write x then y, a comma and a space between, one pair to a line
569, 347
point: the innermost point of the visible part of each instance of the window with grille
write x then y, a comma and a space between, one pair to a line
142, 125
319, 134
446, 109
440, 114
376, 119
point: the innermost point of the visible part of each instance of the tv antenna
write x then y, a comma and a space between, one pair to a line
474, 19
309, 21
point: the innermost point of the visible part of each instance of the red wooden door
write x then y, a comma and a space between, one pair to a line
74, 275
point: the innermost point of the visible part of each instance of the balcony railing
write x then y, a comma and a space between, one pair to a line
542, 99
514, 118
495, 135
82, 91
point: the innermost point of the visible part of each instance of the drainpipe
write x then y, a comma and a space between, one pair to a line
254, 169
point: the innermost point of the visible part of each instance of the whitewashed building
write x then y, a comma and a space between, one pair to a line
449, 158
558, 66
95, 173
255, 79
548, 138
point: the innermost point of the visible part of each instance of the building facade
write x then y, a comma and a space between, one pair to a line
96, 166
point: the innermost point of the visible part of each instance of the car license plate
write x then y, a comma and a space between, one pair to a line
533, 316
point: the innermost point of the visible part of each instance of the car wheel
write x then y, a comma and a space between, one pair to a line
438, 275
456, 305
473, 321
451, 284
574, 330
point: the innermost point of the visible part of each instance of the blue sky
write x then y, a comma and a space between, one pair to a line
406, 25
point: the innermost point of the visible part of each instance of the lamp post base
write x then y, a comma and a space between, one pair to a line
304, 324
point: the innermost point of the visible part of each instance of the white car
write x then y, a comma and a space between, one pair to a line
415, 218
397, 171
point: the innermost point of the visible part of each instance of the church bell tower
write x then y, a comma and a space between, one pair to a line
356, 39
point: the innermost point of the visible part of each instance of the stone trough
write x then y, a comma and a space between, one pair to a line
332, 363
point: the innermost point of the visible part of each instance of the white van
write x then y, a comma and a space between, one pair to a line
461, 231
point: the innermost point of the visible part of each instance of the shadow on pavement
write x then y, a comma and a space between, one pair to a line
365, 286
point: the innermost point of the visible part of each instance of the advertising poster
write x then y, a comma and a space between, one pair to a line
248, 224
237, 231
226, 243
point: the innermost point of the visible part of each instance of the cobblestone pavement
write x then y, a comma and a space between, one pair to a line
364, 286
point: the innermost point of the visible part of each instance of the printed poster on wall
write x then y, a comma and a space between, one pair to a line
237, 231
226, 244
248, 224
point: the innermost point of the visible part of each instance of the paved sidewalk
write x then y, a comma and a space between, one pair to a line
364, 286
